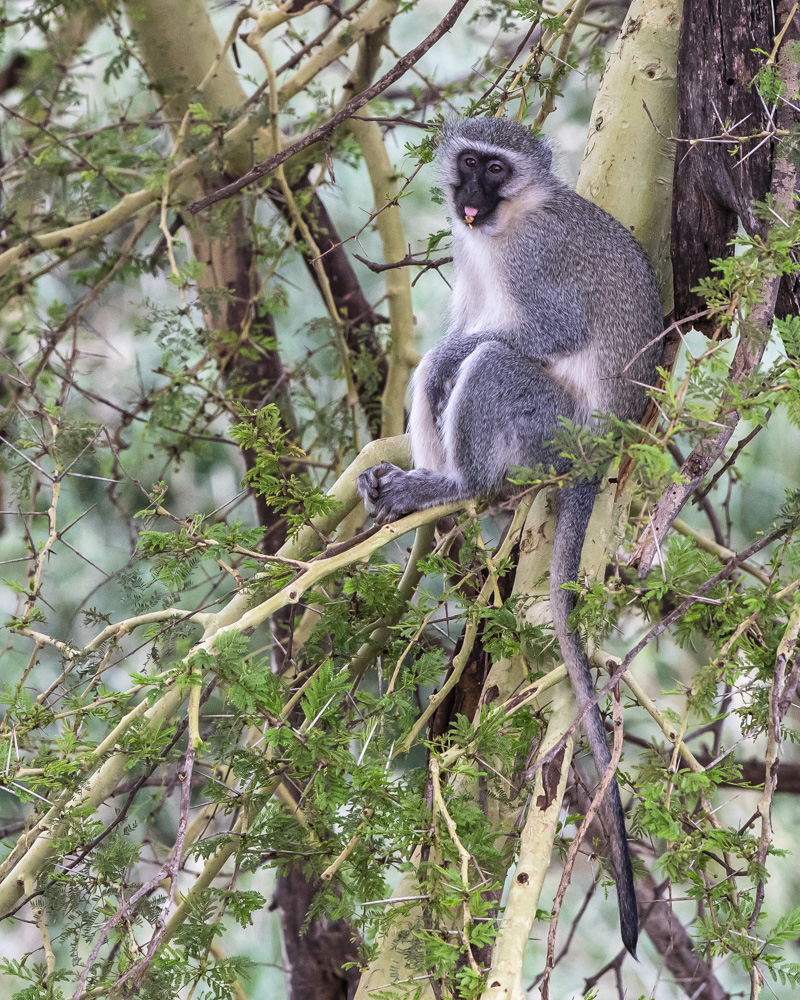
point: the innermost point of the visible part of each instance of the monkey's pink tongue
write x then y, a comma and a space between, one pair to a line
470, 212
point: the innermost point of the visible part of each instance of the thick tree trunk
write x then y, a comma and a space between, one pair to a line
629, 159
697, 233
713, 190
314, 955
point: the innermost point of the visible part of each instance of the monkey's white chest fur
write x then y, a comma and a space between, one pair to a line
480, 302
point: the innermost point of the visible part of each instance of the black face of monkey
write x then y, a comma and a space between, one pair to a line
480, 179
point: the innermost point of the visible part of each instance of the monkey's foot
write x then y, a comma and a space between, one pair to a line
384, 490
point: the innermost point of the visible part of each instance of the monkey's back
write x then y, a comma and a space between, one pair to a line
590, 294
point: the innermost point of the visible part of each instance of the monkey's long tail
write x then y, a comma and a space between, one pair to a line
574, 510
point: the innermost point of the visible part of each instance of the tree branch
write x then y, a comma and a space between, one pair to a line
354, 104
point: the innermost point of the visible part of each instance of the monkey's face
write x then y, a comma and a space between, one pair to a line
478, 191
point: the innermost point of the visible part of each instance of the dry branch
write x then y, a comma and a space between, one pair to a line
266, 167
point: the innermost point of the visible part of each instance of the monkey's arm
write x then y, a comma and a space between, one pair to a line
557, 324
503, 411
444, 364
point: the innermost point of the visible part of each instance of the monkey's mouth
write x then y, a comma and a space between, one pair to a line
474, 217
475, 208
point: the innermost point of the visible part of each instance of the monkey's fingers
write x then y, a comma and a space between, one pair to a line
385, 512
383, 490
369, 484
367, 487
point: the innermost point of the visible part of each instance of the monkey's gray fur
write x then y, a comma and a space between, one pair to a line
552, 299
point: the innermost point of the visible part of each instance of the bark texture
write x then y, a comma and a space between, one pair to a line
714, 191
755, 330
314, 956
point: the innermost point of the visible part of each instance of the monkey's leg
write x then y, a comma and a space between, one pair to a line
501, 412
504, 410
426, 445
444, 367
432, 383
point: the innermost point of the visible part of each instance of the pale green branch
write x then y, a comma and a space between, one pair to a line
536, 843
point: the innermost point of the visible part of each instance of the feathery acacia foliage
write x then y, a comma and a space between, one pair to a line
230, 712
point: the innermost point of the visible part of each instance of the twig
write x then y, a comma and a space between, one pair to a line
621, 666
721, 551
307, 236
464, 857
336, 864
700, 495
169, 870
780, 698
561, 67
39, 920
408, 261
779, 37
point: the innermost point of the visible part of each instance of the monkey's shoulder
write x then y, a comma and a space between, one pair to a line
568, 222
574, 255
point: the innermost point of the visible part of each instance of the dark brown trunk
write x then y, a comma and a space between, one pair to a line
370, 366
249, 361
314, 955
714, 190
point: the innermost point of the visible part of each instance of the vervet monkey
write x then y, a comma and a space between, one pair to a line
554, 303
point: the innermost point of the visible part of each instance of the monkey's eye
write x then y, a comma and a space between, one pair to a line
496, 168
470, 161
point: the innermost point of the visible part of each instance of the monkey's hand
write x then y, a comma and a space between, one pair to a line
384, 490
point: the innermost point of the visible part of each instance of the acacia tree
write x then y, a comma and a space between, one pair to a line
215, 694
